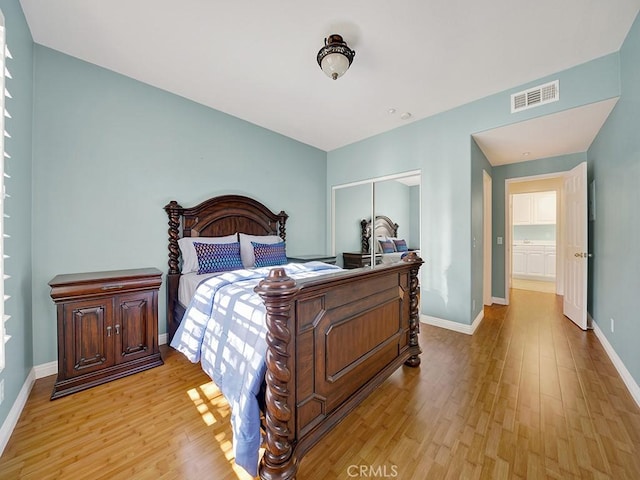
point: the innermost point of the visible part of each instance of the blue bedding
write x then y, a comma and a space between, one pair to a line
224, 329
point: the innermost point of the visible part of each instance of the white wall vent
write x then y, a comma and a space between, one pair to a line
547, 93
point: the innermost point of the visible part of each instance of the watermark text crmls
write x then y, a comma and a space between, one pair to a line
372, 471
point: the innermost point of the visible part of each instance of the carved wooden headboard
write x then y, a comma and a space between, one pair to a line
218, 217
383, 227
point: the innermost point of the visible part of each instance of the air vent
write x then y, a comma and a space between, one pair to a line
547, 93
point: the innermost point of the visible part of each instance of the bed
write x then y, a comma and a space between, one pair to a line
389, 247
330, 340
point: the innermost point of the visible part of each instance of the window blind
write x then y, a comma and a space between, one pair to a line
4, 94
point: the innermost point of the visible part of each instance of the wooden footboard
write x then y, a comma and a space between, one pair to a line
331, 341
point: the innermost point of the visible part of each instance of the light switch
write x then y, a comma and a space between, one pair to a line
499, 240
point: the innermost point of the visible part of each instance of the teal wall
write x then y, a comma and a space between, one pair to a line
502, 173
479, 165
414, 215
614, 158
439, 146
352, 205
110, 152
19, 350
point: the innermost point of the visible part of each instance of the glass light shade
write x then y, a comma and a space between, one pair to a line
335, 65
335, 57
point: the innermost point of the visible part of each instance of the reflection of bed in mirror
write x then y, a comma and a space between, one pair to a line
388, 245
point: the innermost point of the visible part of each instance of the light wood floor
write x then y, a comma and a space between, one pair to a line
528, 396
536, 285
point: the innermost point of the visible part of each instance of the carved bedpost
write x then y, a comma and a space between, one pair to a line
365, 233
277, 292
414, 307
282, 220
173, 211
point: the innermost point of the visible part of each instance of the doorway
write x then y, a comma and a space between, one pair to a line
534, 232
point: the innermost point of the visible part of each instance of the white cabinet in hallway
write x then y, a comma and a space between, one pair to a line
534, 208
533, 261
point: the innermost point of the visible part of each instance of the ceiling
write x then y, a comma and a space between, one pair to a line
562, 133
257, 60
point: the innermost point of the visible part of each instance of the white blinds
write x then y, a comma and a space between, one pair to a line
4, 93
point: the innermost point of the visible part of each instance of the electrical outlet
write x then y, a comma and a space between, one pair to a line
612, 322
499, 240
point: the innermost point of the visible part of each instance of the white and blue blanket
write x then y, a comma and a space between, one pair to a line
224, 329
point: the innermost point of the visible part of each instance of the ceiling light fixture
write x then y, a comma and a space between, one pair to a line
335, 57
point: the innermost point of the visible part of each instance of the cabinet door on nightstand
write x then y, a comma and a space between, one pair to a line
134, 325
87, 337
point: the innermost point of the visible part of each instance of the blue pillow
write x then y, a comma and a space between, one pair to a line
387, 246
218, 257
401, 246
269, 254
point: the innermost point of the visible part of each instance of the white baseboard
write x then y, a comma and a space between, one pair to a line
162, 338
46, 369
499, 301
455, 326
628, 380
14, 414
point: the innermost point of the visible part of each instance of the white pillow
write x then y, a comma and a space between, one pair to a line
246, 249
189, 256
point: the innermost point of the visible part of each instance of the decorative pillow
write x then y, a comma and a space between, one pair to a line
189, 257
246, 249
377, 244
218, 257
386, 246
269, 254
401, 245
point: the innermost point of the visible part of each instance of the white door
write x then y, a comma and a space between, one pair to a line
575, 280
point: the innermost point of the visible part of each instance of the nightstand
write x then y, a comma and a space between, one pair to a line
358, 260
107, 326
331, 259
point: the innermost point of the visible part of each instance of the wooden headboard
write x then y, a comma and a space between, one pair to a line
383, 227
216, 217
220, 216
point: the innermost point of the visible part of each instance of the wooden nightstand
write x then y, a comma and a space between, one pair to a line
107, 326
358, 260
313, 258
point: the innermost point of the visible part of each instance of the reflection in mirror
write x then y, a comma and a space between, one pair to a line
397, 201
351, 205
395, 197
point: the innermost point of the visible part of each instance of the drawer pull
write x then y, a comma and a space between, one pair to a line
112, 287
108, 331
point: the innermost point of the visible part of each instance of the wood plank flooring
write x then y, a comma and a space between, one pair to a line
529, 396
